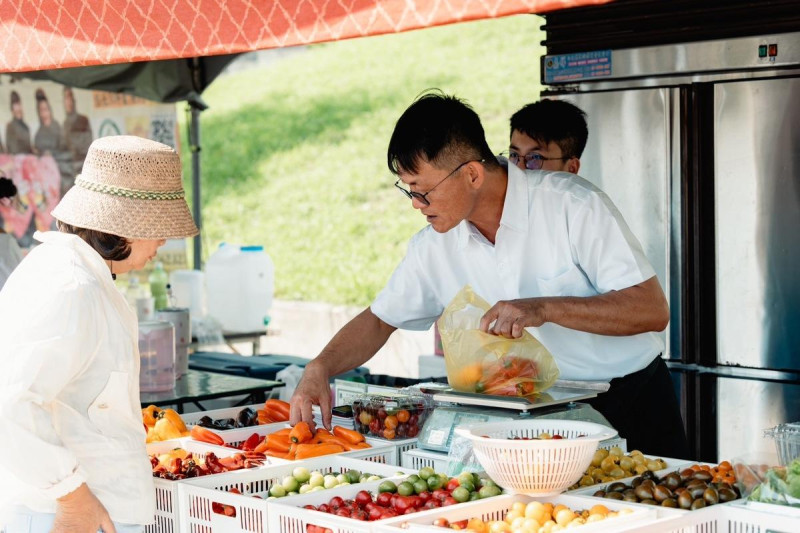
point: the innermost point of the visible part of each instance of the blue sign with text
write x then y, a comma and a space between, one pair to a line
568, 68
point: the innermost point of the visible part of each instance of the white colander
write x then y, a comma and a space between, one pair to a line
542, 467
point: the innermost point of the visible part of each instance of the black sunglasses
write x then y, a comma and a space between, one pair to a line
423, 197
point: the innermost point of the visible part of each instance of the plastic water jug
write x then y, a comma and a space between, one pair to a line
188, 290
157, 355
239, 280
181, 320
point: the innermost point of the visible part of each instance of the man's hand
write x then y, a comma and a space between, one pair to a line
510, 318
313, 389
81, 512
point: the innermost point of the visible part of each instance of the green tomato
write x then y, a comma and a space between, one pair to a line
474, 496
291, 484
301, 474
278, 491
425, 472
460, 494
405, 489
413, 478
487, 491
467, 484
353, 476
305, 488
316, 480
387, 486
420, 486
330, 481
434, 482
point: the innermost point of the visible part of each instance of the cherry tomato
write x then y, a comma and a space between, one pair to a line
381, 413
412, 431
363, 498
336, 502
452, 485
388, 433
441, 522
384, 499
403, 415
365, 418
390, 422
375, 426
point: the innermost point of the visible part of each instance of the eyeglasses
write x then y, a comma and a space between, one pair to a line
533, 161
423, 197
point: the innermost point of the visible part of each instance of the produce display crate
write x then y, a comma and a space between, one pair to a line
496, 509
290, 517
196, 496
672, 466
417, 458
191, 419
347, 391
733, 517
612, 442
168, 514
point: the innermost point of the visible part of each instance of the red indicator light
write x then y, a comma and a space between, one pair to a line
773, 50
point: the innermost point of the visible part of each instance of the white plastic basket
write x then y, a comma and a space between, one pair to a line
496, 509
191, 419
197, 496
168, 514
419, 458
536, 467
672, 466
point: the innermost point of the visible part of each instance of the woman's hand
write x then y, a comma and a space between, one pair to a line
81, 512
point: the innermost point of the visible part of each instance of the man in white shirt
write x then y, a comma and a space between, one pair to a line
547, 249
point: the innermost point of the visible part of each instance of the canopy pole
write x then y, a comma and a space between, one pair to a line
194, 146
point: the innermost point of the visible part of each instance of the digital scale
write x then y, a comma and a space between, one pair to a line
562, 401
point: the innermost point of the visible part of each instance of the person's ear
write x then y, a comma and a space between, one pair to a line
573, 165
476, 174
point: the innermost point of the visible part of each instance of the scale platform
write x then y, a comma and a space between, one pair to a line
460, 408
560, 393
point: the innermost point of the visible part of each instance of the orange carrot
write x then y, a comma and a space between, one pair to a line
206, 435
284, 431
348, 435
279, 455
305, 451
300, 433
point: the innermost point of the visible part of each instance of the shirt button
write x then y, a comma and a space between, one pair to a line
103, 406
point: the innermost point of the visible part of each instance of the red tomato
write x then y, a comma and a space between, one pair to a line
363, 498
336, 502
310, 507
412, 431
461, 523
449, 501
375, 426
376, 513
324, 508
433, 503
424, 496
441, 522
440, 494
384, 499
452, 485
343, 511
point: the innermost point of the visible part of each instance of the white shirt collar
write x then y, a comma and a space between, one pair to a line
89, 254
515, 206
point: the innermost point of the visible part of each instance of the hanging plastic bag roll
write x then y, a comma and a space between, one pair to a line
489, 364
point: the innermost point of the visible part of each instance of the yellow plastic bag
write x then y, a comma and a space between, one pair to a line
489, 364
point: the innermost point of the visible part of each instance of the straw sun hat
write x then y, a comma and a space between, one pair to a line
130, 187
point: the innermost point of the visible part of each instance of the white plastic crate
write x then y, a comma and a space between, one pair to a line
733, 517
167, 517
496, 509
418, 458
672, 466
617, 441
290, 517
190, 419
380, 452
400, 446
196, 496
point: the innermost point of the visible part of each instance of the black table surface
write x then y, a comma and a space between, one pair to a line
198, 385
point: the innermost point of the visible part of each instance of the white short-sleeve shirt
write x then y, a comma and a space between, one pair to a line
559, 235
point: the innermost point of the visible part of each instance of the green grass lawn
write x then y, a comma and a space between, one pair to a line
294, 154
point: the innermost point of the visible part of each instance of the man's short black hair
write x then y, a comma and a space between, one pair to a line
554, 121
440, 129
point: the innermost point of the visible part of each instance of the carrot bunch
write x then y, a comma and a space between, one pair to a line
300, 442
274, 411
508, 376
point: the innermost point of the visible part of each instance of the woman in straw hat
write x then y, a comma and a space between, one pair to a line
72, 455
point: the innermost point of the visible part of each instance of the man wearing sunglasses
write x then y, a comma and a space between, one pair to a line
547, 249
548, 135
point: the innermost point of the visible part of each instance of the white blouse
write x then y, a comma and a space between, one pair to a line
69, 385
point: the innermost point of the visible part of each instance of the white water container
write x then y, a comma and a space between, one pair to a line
239, 281
189, 291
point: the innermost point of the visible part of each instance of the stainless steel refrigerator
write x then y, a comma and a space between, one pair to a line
698, 144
